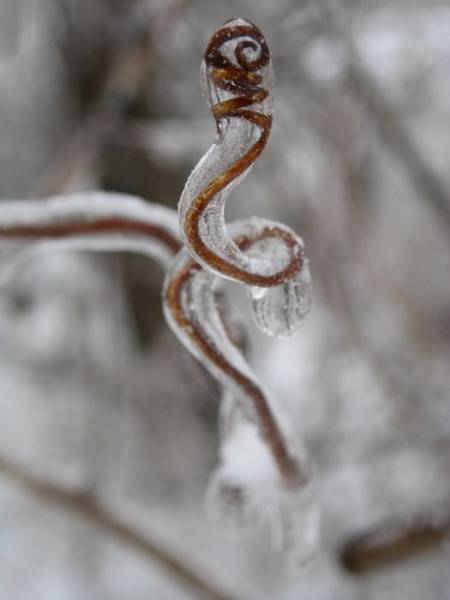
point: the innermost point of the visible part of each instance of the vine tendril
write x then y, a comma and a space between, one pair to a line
237, 71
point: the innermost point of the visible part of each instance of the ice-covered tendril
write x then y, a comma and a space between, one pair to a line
237, 74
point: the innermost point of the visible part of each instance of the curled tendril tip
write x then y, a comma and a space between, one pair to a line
237, 74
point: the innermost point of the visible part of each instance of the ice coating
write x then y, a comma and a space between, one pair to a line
237, 75
94, 221
279, 309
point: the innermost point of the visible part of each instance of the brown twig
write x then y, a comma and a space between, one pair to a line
86, 506
391, 543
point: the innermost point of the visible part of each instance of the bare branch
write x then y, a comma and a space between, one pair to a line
85, 505
391, 544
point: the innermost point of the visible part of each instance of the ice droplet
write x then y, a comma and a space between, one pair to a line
280, 309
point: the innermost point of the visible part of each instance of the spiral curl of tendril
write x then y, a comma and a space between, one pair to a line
237, 73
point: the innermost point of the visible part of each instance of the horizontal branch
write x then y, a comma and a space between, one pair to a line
390, 544
86, 506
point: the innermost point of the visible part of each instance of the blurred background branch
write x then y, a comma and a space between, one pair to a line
85, 505
386, 121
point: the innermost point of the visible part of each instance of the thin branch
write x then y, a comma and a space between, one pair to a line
391, 543
86, 506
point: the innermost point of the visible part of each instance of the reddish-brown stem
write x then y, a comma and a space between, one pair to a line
100, 225
390, 544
